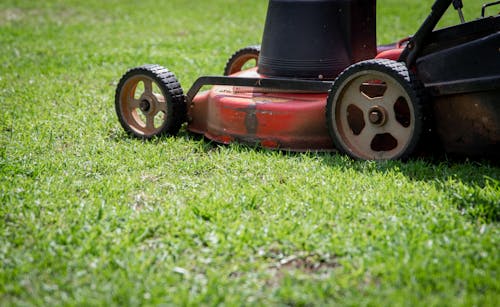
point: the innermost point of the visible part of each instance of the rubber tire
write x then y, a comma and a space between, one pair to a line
171, 89
233, 64
399, 72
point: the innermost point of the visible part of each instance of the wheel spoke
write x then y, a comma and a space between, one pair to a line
150, 121
390, 96
355, 97
160, 103
366, 136
364, 139
148, 86
400, 133
133, 103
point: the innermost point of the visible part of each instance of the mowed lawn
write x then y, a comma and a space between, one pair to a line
90, 216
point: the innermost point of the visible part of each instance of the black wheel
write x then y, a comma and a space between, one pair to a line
149, 102
248, 55
375, 111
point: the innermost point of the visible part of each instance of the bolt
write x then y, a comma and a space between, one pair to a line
144, 105
375, 117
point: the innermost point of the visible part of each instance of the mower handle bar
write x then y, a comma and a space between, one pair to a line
295, 85
483, 9
414, 46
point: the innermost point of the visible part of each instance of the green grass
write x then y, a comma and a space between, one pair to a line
89, 216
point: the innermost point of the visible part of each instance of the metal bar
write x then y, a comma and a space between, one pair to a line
458, 5
483, 9
309, 86
463, 86
416, 43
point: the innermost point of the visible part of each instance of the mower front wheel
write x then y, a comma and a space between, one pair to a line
375, 111
248, 56
149, 102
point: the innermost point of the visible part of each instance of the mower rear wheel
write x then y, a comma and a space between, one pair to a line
375, 111
149, 102
245, 57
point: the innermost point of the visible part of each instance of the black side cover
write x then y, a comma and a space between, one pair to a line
467, 67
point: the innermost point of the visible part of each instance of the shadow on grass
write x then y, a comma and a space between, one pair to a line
472, 184
469, 170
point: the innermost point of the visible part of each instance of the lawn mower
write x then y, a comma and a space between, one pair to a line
320, 82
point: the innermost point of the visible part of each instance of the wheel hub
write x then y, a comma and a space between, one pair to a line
377, 116
145, 105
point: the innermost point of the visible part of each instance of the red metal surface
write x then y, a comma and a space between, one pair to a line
291, 121
391, 54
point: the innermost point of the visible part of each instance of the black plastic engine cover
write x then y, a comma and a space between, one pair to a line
316, 39
471, 66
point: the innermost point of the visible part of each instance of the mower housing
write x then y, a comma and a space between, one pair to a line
316, 39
